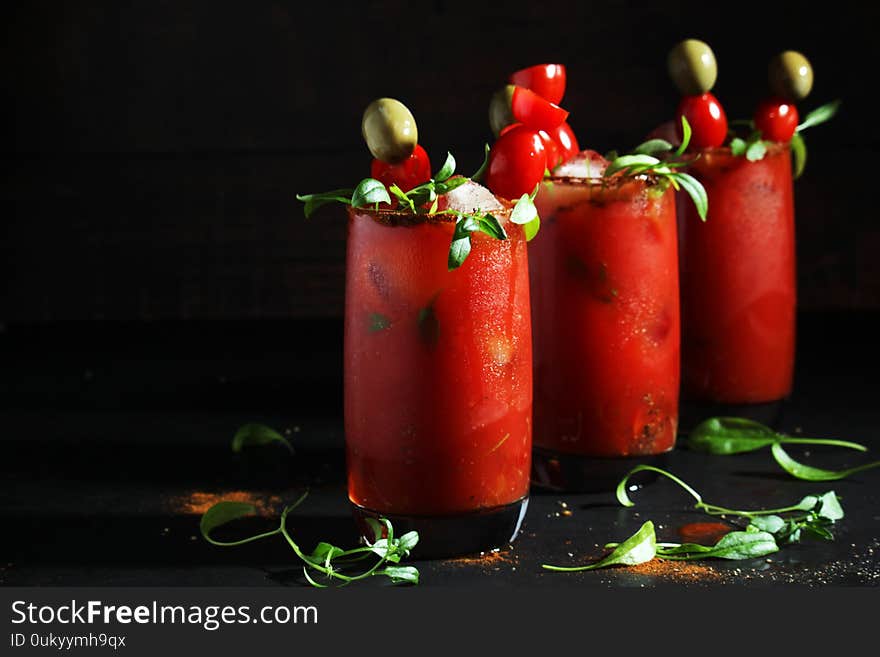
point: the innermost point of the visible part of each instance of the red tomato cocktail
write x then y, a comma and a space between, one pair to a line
738, 280
438, 379
605, 308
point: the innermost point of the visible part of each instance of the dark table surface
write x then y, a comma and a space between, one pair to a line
117, 437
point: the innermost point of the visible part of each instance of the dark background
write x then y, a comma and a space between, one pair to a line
159, 285
155, 148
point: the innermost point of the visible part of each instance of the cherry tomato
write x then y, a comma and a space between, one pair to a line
412, 172
707, 119
517, 163
546, 80
551, 148
508, 128
564, 137
776, 119
536, 112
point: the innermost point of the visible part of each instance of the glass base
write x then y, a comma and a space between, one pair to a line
453, 535
692, 412
572, 473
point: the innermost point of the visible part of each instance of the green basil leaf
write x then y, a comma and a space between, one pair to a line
315, 201
447, 169
830, 506
685, 137
809, 503
819, 115
376, 527
448, 185
809, 473
638, 548
408, 541
524, 211
324, 553
402, 574
489, 225
738, 146
818, 530
478, 175
735, 545
756, 151
459, 250
799, 154
730, 435
625, 162
369, 192
653, 146
221, 514
402, 197
531, 229
254, 434
695, 190
770, 524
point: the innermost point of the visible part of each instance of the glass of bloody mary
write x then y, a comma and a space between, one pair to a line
738, 281
438, 380
605, 308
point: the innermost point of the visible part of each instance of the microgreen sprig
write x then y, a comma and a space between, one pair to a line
736, 435
643, 160
733, 435
424, 200
329, 561
764, 532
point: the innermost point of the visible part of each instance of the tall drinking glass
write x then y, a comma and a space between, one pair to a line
738, 283
438, 381
605, 300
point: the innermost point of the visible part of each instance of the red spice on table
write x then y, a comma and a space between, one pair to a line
680, 571
197, 502
705, 533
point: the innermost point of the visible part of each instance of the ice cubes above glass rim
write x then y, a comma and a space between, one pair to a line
586, 164
469, 198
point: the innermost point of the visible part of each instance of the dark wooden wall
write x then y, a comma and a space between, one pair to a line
155, 148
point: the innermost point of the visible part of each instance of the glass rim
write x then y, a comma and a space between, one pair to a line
395, 217
773, 148
611, 182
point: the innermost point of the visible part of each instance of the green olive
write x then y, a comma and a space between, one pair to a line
500, 114
389, 130
791, 76
692, 67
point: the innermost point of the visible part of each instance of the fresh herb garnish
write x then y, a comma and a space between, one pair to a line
424, 200
810, 473
734, 435
638, 548
764, 532
643, 161
329, 561
253, 434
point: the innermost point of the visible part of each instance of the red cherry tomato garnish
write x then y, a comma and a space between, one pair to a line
529, 108
776, 119
517, 163
551, 148
412, 172
707, 119
508, 128
546, 80
564, 137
